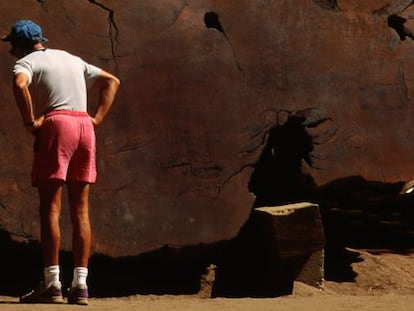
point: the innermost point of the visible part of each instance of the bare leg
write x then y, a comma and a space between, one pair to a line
79, 210
50, 196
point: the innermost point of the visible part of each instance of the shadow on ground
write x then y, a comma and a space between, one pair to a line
356, 214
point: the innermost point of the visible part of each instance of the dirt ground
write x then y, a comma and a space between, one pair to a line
383, 281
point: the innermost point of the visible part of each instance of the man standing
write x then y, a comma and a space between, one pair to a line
50, 88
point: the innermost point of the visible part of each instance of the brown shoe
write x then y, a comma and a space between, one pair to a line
78, 295
43, 294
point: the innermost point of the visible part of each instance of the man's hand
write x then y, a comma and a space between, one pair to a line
34, 128
94, 121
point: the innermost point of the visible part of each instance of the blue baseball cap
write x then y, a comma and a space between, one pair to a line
25, 31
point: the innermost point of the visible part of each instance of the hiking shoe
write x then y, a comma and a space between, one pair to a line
78, 295
43, 294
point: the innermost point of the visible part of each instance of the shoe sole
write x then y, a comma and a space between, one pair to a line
49, 300
78, 301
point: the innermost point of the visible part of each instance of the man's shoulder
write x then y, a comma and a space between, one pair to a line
57, 51
46, 51
62, 54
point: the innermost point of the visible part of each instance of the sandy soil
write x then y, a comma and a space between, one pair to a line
384, 281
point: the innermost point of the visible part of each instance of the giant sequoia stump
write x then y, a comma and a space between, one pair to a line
203, 83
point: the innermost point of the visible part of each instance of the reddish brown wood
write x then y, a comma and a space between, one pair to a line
197, 99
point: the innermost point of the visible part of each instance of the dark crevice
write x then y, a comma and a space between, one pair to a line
397, 22
328, 4
113, 30
212, 20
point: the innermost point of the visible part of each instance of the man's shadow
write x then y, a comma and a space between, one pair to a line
356, 213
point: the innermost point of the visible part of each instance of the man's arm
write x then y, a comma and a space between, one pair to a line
108, 86
23, 98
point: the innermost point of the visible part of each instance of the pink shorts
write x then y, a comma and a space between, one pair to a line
65, 148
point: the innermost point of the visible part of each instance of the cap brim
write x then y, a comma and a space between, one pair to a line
8, 38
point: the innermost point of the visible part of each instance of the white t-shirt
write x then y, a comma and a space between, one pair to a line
57, 79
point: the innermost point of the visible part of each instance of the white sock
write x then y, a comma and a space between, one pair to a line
51, 275
79, 276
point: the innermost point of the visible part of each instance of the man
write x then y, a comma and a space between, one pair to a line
50, 88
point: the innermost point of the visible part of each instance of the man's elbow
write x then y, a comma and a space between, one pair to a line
112, 84
115, 82
108, 81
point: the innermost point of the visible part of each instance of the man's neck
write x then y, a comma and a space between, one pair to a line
38, 47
